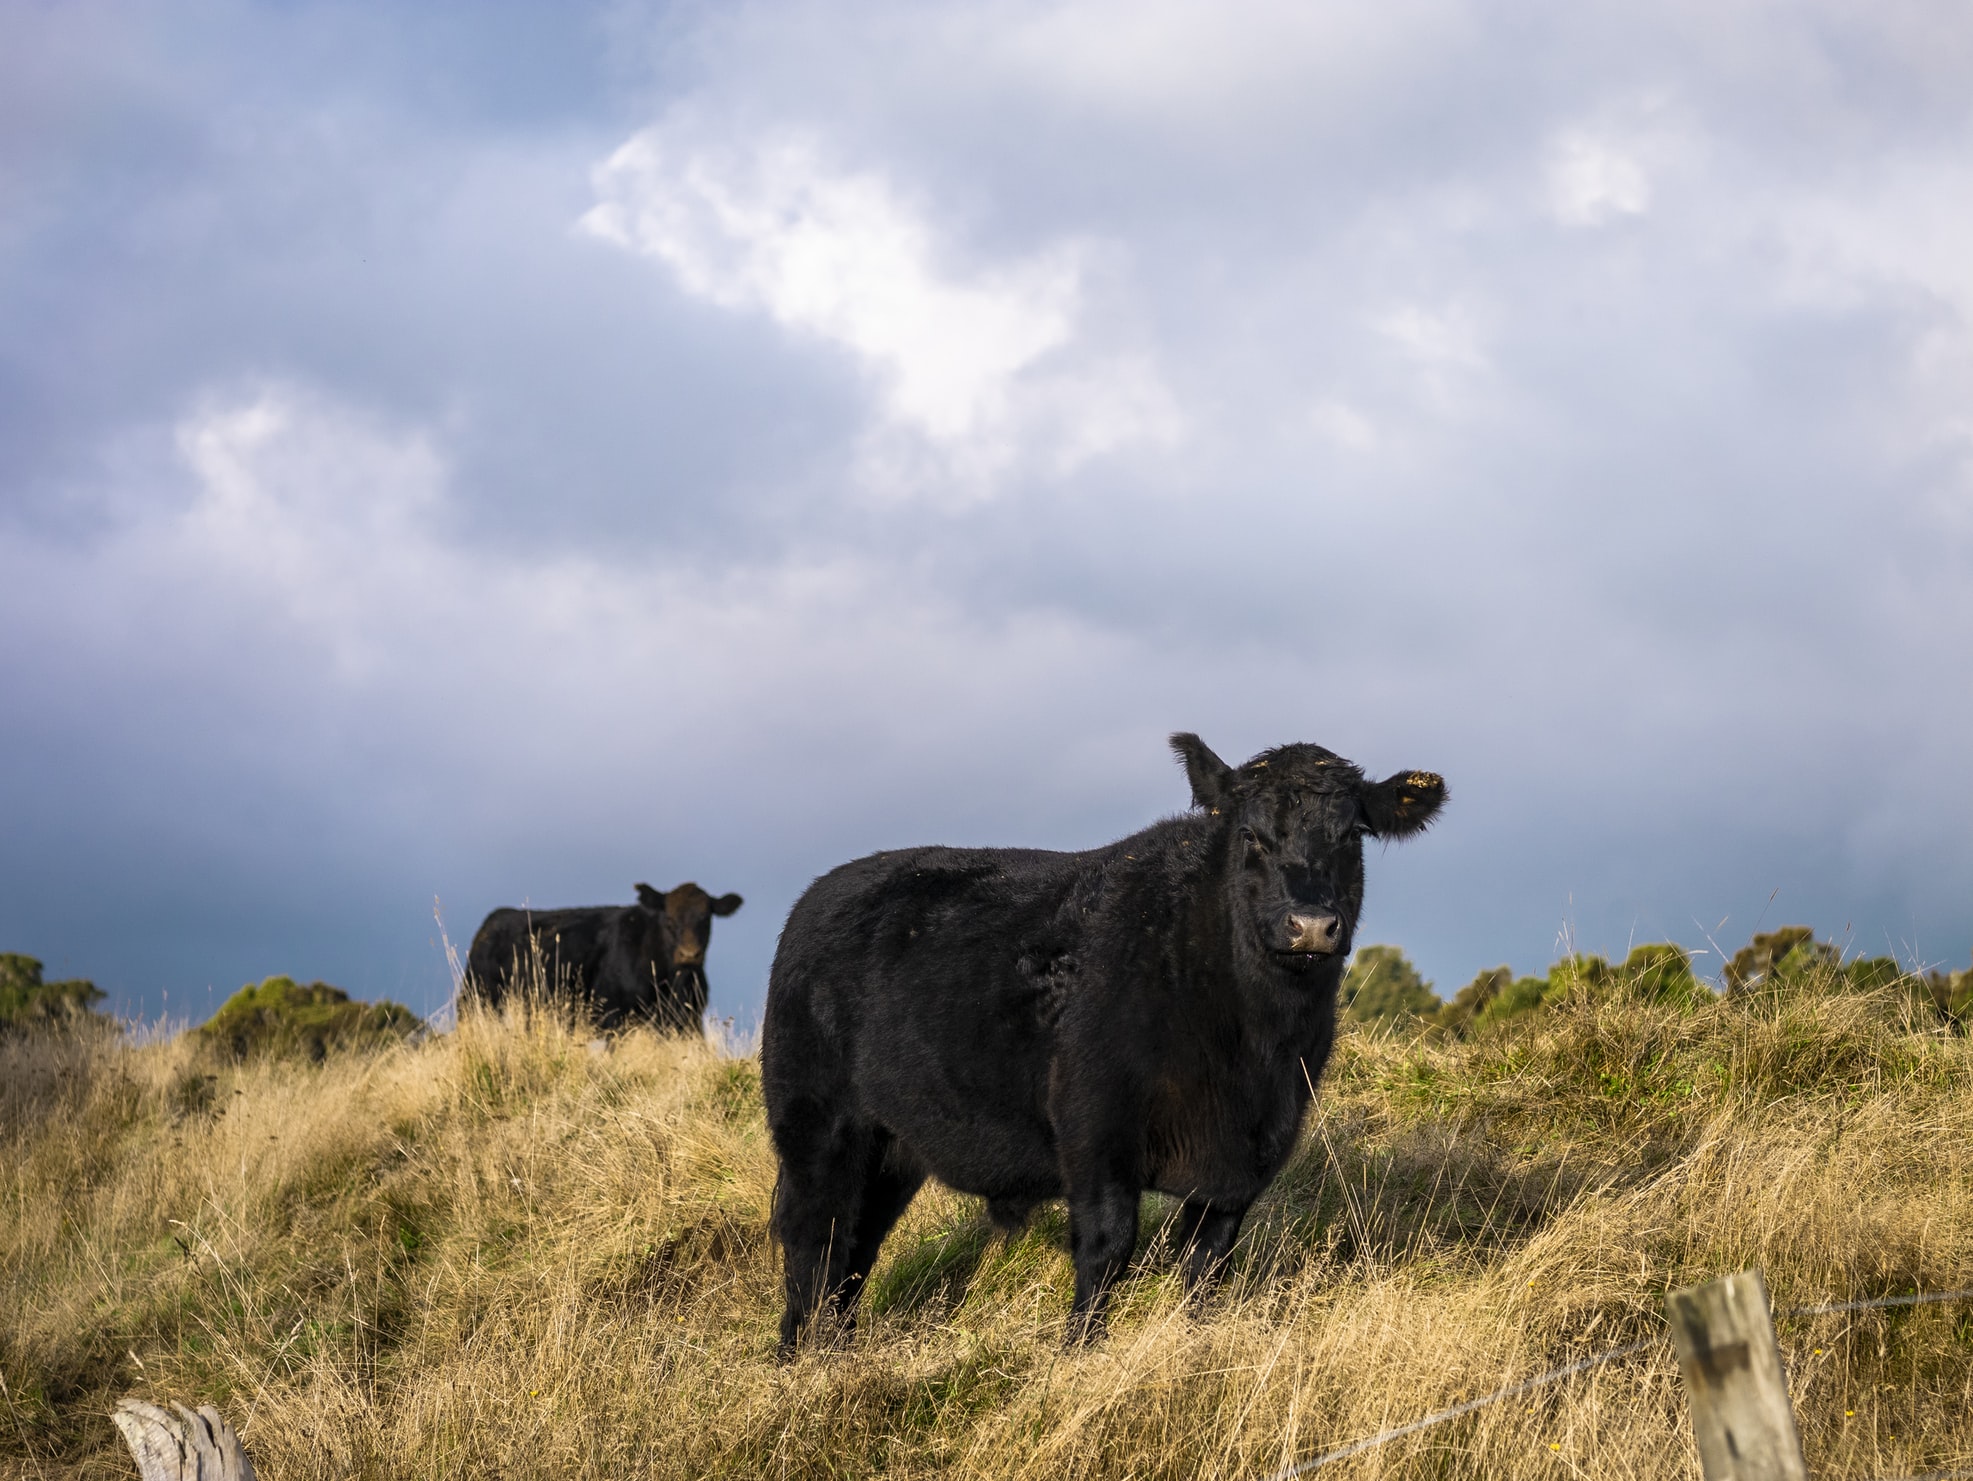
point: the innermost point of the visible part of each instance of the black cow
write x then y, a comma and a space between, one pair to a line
630, 963
1025, 1025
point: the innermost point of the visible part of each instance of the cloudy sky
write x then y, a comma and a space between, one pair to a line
491, 454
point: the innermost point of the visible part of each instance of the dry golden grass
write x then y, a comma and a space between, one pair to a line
496, 1253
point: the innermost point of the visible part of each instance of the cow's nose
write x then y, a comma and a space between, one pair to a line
687, 956
1316, 933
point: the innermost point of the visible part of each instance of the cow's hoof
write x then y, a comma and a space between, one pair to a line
1084, 1333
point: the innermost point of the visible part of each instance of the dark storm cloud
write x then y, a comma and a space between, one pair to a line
504, 455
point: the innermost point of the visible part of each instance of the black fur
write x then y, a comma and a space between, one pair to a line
628, 963
1026, 1025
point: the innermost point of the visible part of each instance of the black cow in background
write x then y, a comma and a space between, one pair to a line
629, 963
1025, 1025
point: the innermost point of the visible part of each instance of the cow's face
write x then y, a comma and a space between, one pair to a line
1296, 818
682, 922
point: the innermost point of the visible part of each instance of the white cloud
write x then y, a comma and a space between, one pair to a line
315, 510
974, 364
1166, 58
1442, 339
1342, 424
1618, 160
315, 537
1593, 179
1442, 355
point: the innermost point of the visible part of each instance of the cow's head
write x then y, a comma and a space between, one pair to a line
1294, 823
683, 931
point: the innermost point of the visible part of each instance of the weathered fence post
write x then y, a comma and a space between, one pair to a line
1741, 1416
185, 1446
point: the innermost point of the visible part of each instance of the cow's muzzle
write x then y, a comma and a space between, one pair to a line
1316, 934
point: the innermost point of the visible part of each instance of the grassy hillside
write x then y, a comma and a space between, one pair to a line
498, 1253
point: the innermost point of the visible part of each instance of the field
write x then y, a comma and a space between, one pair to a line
502, 1252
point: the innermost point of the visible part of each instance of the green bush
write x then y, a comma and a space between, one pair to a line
1522, 995
1584, 973
1658, 972
28, 1002
1949, 994
1473, 999
1661, 972
1870, 972
1786, 957
1491, 997
1382, 986
283, 1019
1791, 959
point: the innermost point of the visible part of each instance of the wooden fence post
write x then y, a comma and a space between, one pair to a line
185, 1446
1740, 1411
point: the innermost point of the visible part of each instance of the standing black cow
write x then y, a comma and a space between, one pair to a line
641, 963
1026, 1025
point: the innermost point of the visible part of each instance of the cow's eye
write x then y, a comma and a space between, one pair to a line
1256, 844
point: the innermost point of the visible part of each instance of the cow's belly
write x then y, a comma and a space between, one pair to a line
1220, 1181
1219, 1148
999, 1159
956, 1071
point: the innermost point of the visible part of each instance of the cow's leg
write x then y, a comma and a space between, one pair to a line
1009, 1215
892, 1178
1207, 1232
823, 1162
1102, 1234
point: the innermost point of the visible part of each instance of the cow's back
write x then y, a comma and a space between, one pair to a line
560, 954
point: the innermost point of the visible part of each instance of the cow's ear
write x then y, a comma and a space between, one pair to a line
1211, 778
649, 898
1400, 806
726, 904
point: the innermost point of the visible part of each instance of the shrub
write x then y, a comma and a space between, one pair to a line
283, 1019
1492, 997
1657, 972
27, 1002
1868, 973
1661, 972
1522, 995
1782, 957
1382, 986
1792, 960
1584, 973
1473, 999
1949, 994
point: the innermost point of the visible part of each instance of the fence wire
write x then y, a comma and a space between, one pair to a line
1581, 1365
1876, 1301
1553, 1375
